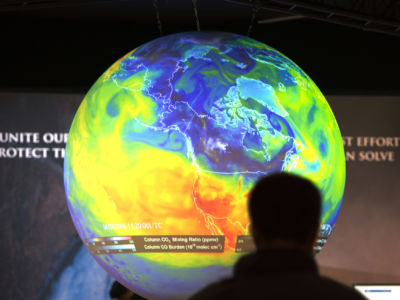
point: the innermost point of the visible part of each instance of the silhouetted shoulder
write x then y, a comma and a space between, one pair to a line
279, 287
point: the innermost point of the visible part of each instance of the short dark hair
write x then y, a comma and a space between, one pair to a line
285, 206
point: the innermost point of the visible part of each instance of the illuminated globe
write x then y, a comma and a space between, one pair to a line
168, 142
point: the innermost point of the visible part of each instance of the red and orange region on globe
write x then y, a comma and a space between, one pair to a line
223, 207
184, 199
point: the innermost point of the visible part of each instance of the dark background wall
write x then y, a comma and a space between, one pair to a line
67, 48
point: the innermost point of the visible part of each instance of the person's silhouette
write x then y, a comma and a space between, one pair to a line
285, 213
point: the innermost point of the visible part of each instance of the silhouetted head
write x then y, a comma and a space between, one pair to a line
285, 211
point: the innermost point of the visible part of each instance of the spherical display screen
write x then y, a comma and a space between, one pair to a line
167, 144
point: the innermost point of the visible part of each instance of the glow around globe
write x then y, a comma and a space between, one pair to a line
168, 142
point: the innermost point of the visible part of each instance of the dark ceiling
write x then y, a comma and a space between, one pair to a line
65, 45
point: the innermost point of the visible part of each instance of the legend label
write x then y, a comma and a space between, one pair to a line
157, 243
244, 243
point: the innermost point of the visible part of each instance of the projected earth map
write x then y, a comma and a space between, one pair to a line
168, 142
